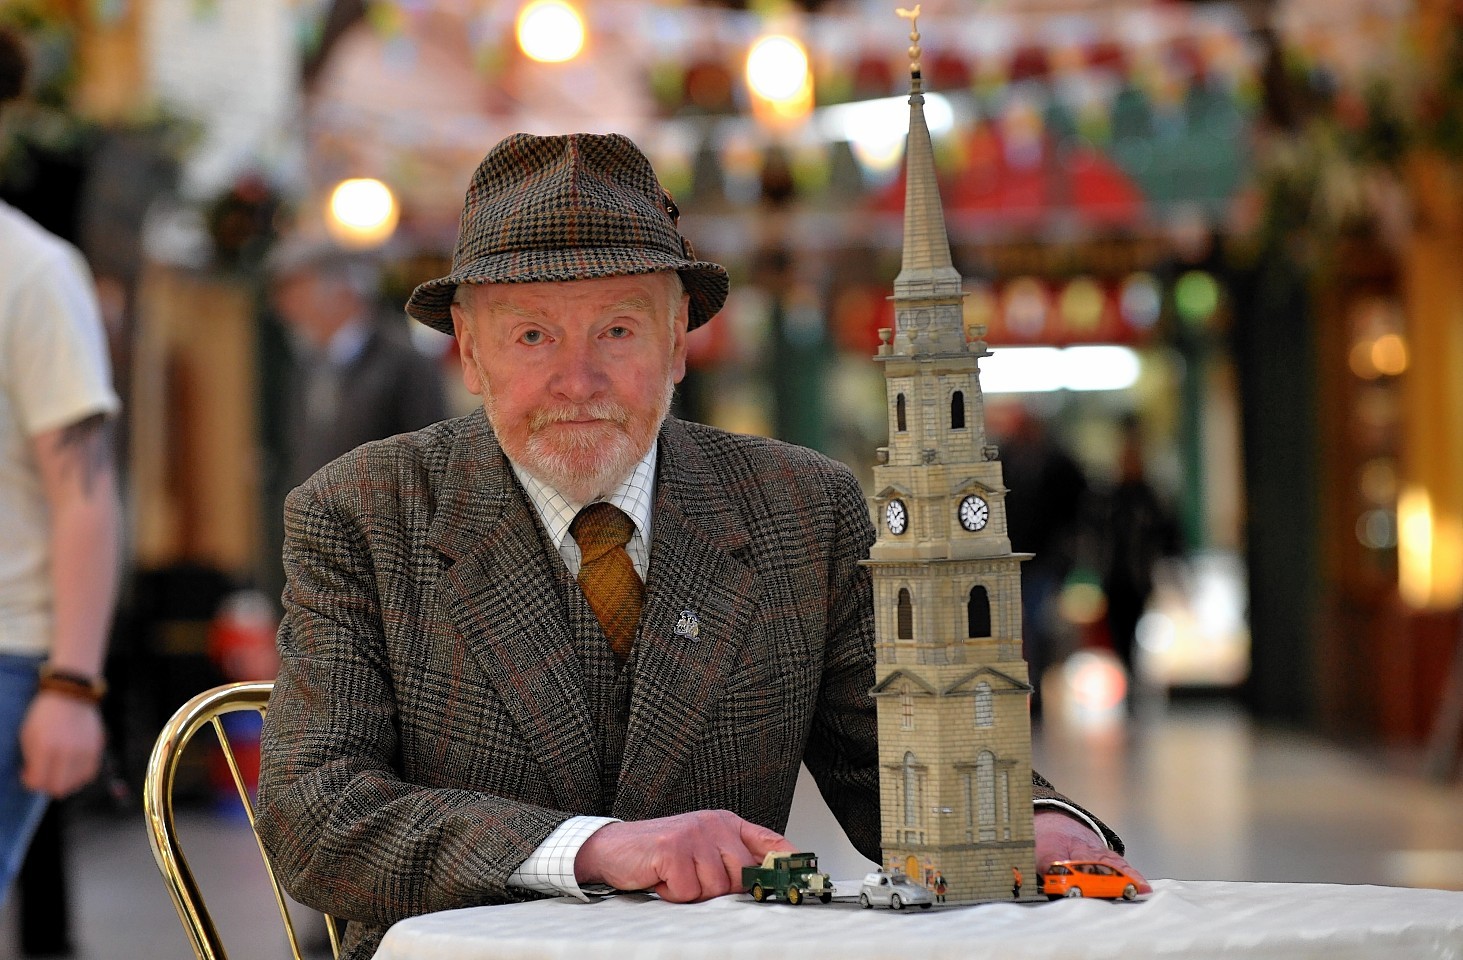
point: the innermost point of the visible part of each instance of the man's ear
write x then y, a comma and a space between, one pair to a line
466, 350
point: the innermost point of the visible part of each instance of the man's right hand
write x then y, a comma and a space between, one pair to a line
686, 858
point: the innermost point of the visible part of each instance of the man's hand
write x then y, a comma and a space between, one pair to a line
60, 744
685, 858
1060, 837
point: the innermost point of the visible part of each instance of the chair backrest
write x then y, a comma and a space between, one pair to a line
206, 709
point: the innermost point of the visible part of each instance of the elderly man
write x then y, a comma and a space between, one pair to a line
569, 642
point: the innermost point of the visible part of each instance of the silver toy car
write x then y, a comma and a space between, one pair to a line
895, 890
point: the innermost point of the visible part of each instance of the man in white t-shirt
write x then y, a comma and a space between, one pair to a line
59, 516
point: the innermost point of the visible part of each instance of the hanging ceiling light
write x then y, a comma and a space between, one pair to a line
780, 78
550, 31
363, 213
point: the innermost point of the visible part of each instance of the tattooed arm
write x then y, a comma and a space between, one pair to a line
61, 739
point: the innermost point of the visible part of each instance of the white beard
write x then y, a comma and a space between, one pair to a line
585, 462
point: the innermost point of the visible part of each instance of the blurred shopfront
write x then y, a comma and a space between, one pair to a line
1136, 193
1353, 368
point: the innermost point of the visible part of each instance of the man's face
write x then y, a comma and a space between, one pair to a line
314, 305
576, 377
296, 297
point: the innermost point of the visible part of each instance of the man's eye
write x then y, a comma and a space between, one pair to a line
618, 333
532, 337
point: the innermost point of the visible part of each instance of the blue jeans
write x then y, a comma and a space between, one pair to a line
20, 809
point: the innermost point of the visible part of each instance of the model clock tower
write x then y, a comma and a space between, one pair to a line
951, 686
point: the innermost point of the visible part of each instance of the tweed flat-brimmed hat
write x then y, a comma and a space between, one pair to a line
573, 207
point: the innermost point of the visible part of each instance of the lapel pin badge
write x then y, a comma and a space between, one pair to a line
689, 626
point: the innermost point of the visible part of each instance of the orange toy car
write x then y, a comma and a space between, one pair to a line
1087, 878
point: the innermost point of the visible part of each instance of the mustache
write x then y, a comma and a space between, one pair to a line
598, 410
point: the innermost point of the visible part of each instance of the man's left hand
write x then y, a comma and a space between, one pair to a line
1060, 837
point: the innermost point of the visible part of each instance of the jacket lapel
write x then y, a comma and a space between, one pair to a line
699, 601
501, 596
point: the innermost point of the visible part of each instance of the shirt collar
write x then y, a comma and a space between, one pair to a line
635, 496
347, 343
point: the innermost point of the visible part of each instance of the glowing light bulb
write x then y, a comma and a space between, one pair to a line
1197, 297
1389, 354
363, 212
1081, 305
780, 80
777, 67
550, 31
1140, 301
1415, 545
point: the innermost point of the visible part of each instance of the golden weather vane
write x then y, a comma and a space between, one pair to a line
913, 17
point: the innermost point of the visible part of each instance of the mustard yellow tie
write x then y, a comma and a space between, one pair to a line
606, 574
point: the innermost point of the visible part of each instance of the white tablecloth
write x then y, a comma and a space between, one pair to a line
1183, 918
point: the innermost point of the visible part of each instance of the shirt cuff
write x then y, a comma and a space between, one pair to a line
1076, 813
550, 868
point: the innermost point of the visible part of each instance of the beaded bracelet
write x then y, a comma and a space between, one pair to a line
73, 685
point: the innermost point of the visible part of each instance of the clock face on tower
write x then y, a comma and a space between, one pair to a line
974, 513
896, 517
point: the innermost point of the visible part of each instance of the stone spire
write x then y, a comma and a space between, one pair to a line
927, 292
950, 687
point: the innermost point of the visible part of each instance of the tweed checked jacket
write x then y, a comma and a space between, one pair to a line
430, 724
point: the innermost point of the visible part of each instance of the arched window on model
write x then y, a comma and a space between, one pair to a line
968, 782
899, 413
985, 794
1003, 798
978, 613
906, 615
911, 791
985, 705
957, 410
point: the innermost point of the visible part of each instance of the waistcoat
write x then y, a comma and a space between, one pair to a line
607, 684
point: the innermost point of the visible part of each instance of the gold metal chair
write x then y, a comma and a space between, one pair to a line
206, 709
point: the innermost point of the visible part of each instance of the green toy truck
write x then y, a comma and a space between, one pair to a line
791, 876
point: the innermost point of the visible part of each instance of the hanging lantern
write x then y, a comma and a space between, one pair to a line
550, 31
362, 213
780, 80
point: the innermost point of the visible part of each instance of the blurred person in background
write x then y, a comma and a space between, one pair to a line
1045, 508
59, 515
350, 375
354, 377
1136, 531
